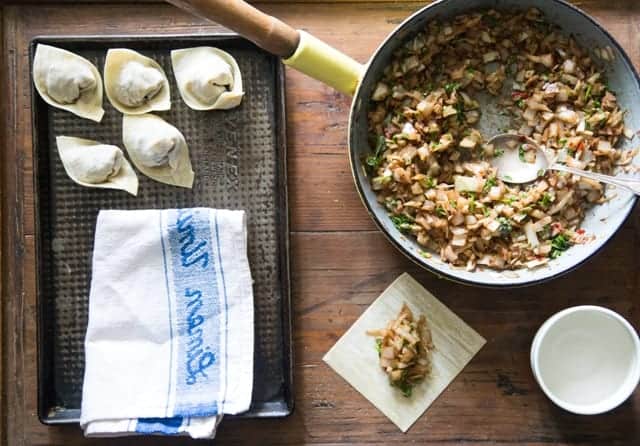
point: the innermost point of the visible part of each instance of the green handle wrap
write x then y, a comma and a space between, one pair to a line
315, 58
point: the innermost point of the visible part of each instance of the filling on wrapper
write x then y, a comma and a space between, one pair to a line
208, 78
430, 164
135, 84
404, 349
92, 164
68, 81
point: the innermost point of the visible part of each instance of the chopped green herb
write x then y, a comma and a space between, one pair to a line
472, 204
545, 233
390, 204
486, 212
520, 103
505, 227
425, 254
498, 152
521, 153
379, 346
562, 142
403, 222
587, 93
546, 200
453, 204
460, 111
451, 87
374, 161
489, 183
559, 244
540, 173
428, 183
507, 177
509, 200
440, 212
404, 387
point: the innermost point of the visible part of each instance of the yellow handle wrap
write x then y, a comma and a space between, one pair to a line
315, 58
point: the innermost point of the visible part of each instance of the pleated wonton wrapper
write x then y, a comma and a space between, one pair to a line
68, 81
157, 149
92, 164
208, 78
354, 356
135, 84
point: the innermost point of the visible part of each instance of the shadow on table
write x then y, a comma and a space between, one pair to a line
619, 426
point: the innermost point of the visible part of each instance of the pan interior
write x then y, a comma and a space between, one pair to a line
602, 220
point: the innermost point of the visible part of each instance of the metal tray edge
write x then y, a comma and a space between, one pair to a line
48, 415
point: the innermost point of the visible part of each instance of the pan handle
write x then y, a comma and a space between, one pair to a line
299, 49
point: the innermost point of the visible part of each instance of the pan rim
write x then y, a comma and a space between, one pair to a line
354, 161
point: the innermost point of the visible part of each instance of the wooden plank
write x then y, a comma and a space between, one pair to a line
3, 114
494, 398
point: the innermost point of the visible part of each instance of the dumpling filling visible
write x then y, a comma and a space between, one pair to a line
138, 84
92, 164
135, 84
207, 78
157, 149
105, 162
67, 81
161, 151
207, 85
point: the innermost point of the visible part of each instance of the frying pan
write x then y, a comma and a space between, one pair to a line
311, 56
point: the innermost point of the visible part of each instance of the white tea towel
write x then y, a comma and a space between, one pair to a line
169, 345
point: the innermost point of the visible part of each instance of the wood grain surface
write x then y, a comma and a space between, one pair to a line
340, 263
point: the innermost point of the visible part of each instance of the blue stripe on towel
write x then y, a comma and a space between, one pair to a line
166, 282
162, 426
196, 315
226, 314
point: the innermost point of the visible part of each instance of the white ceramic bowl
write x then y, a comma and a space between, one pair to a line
586, 359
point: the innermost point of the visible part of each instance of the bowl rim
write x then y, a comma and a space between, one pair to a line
413, 255
626, 388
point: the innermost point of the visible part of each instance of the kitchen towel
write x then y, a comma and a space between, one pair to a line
169, 344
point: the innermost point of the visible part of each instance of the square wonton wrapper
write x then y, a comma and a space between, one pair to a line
354, 356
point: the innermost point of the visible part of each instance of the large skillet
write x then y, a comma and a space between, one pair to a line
311, 56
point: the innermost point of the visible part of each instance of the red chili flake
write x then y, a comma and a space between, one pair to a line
518, 95
581, 231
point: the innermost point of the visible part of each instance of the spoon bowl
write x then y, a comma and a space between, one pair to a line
519, 159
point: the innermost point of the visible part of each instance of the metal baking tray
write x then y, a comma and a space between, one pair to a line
239, 157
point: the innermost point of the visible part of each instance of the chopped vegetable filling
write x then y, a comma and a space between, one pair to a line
429, 162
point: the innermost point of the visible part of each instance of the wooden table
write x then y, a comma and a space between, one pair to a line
340, 263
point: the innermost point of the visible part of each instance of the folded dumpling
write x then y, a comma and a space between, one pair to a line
135, 84
68, 81
157, 149
207, 78
92, 164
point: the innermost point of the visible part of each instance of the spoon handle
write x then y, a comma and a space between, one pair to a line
631, 184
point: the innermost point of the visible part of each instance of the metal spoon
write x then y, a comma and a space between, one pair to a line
520, 160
